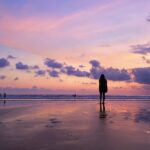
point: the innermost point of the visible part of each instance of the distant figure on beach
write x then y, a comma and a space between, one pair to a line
0, 97
4, 98
102, 112
102, 87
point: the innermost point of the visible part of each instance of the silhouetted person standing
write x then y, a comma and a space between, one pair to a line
102, 87
0, 97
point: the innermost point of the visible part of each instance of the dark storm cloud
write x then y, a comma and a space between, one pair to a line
4, 62
51, 63
22, 66
141, 75
2, 77
141, 48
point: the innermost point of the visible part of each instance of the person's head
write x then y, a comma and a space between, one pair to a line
102, 77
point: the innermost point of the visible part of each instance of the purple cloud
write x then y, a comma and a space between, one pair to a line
40, 73
4, 62
117, 74
21, 66
142, 75
53, 73
94, 63
11, 57
148, 18
34, 67
72, 71
2, 77
81, 66
113, 74
141, 48
95, 72
51, 63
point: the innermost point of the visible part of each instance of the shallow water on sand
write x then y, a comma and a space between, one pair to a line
75, 125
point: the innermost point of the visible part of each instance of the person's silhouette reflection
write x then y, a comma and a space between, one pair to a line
102, 111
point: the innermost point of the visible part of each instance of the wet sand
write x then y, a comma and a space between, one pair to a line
76, 125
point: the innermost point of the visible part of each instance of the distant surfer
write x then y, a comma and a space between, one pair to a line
102, 87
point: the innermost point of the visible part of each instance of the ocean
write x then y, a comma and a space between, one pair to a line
75, 97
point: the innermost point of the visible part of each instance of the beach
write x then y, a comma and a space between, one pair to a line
72, 125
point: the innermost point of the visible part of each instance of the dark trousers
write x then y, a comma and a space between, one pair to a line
102, 96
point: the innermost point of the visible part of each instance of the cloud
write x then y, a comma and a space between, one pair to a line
141, 48
2, 77
4, 62
40, 73
16, 78
142, 75
64, 69
21, 66
113, 74
148, 18
51, 63
53, 73
72, 71
146, 60
81, 66
34, 67
95, 63
11, 57
105, 45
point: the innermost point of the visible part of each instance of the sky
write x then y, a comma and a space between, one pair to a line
63, 46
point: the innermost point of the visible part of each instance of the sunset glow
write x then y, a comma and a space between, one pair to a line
62, 46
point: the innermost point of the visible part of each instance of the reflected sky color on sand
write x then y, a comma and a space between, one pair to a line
76, 123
